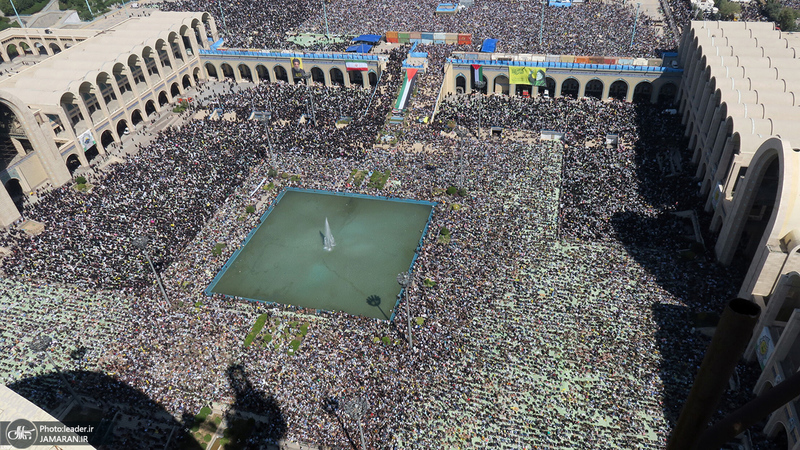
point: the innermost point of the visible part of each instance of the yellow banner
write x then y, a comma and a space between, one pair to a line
526, 75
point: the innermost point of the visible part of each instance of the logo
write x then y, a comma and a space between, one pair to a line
21, 433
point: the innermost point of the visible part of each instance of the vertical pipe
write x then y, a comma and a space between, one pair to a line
325, 14
408, 319
743, 418
17, 14
635, 21
541, 27
158, 278
222, 15
729, 341
361, 431
90, 9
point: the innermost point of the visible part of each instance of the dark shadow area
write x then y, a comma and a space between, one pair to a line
681, 352
254, 417
332, 406
120, 412
682, 341
126, 418
77, 353
375, 301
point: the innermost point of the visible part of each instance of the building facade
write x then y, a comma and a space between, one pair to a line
630, 80
740, 103
61, 112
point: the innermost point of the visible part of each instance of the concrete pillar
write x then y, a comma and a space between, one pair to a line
8, 210
203, 35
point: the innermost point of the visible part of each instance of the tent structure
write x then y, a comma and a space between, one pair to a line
367, 39
360, 48
489, 45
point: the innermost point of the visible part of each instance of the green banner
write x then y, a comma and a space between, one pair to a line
527, 75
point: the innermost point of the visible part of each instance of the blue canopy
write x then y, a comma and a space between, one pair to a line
489, 45
368, 38
360, 48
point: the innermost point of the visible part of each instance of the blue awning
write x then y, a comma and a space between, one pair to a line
360, 48
368, 38
489, 45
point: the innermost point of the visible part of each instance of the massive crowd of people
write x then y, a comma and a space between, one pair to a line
557, 315
554, 318
590, 28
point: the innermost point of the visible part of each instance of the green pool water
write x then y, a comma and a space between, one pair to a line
284, 260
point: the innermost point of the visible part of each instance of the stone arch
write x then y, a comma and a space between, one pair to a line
162, 98
136, 117
356, 78
211, 70
161, 48
149, 57
107, 138
594, 89
196, 27
643, 92
317, 75
186, 37
69, 103
778, 435
91, 153
15, 191
12, 51
122, 125
337, 79
123, 82
26, 49
175, 90
666, 94
137, 72
280, 73
485, 87
209, 24
618, 90
263, 73
196, 75
757, 203
150, 108
88, 93
174, 46
461, 84
373, 78
73, 163
549, 86
245, 73
55, 48
500, 81
40, 48
187, 81
105, 88
227, 71
570, 88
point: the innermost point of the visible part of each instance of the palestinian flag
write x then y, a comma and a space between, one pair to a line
477, 70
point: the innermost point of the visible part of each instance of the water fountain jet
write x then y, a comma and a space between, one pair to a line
328, 242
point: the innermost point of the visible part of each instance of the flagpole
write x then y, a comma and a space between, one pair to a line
541, 27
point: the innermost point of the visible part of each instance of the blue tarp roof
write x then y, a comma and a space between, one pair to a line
368, 38
489, 45
360, 48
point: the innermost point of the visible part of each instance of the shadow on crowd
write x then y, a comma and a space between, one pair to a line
123, 417
676, 251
